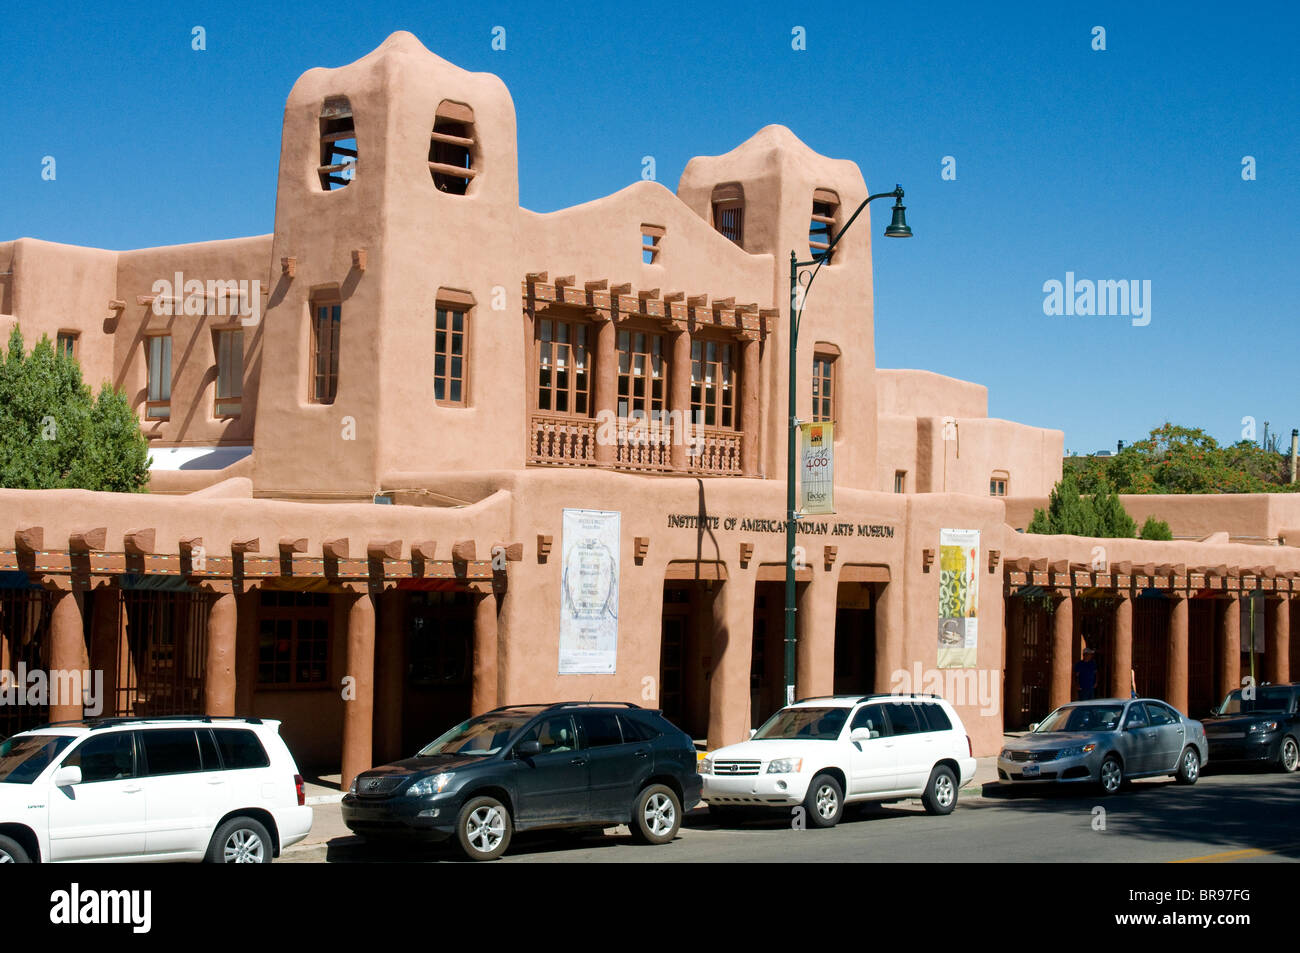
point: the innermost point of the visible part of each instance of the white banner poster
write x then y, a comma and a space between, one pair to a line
959, 559
589, 592
817, 463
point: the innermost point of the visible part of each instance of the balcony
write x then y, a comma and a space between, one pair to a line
575, 442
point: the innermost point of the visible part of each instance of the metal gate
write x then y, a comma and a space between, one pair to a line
161, 653
1036, 663
1150, 645
24, 644
1202, 669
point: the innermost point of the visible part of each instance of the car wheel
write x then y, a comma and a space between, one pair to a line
940, 795
11, 852
1189, 766
483, 828
1112, 775
657, 815
824, 803
241, 840
1289, 758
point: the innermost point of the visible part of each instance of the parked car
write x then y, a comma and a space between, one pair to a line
1262, 729
225, 790
1107, 742
570, 765
823, 753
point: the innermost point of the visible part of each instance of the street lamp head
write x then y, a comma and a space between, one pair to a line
898, 227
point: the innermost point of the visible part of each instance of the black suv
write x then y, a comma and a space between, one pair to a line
526, 767
1263, 728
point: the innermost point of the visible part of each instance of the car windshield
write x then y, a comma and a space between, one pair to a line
1082, 718
1266, 699
22, 759
814, 724
481, 736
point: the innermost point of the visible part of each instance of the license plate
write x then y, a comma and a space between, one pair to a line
1031, 770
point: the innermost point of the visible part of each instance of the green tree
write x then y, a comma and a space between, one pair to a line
1156, 529
1071, 513
55, 434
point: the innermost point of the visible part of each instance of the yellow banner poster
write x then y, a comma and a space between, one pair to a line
817, 468
959, 557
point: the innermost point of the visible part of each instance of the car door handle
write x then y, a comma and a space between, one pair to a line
216, 780
578, 761
641, 754
135, 790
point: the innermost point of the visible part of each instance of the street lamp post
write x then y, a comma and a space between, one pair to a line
897, 229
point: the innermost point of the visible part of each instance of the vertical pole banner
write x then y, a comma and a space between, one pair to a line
589, 572
817, 468
959, 559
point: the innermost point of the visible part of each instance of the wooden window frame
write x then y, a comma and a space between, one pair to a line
315, 376
728, 206
74, 340
337, 125
821, 224
575, 326
295, 614
645, 406
727, 400
233, 403
153, 404
449, 305
999, 478
651, 243
453, 148
825, 405
900, 481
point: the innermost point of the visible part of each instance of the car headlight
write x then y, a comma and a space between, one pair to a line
1076, 751
433, 784
1005, 754
706, 766
785, 766
1263, 726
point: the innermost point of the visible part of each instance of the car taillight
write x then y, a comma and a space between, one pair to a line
302, 789
970, 748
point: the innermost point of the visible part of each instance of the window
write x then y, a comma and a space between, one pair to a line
208, 750
641, 375
900, 481
170, 751
1160, 715
601, 728
109, 757
327, 323
634, 730
293, 639
564, 377
451, 148
449, 356
230, 373
821, 227
872, 717
713, 384
729, 212
904, 719
1137, 715
936, 717
998, 483
650, 237
240, 748
66, 346
823, 387
159, 361
553, 734
338, 144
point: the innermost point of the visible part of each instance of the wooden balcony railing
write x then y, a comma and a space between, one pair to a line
647, 449
717, 452
570, 441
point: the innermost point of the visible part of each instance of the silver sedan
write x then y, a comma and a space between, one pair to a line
1107, 741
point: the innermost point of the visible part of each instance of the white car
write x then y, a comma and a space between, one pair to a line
225, 790
823, 753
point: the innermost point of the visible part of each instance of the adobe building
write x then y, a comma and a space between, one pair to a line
367, 428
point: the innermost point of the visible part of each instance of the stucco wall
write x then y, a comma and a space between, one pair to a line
1246, 517
916, 393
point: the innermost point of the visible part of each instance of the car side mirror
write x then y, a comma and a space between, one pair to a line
861, 734
1033, 726
1134, 725
528, 748
67, 777
752, 732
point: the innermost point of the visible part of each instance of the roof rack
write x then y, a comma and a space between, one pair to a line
592, 703
114, 721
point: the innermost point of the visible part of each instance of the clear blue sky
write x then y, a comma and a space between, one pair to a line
1122, 164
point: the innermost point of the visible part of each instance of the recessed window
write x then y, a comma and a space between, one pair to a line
998, 483
564, 377
326, 326
338, 144
158, 359
821, 228
642, 377
900, 481
451, 335
823, 387
451, 148
713, 384
66, 345
293, 644
651, 235
230, 373
729, 212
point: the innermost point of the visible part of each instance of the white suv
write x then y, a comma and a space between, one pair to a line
225, 790
822, 753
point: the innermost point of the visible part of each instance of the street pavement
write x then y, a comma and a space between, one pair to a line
1230, 815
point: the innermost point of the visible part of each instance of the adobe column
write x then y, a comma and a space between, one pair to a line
390, 676
679, 396
105, 639
1176, 655
1013, 644
733, 643
1121, 664
1062, 651
1278, 656
359, 709
749, 404
1230, 646
814, 621
67, 653
485, 654
219, 669
605, 390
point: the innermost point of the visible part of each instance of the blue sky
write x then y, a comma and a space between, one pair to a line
1117, 164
